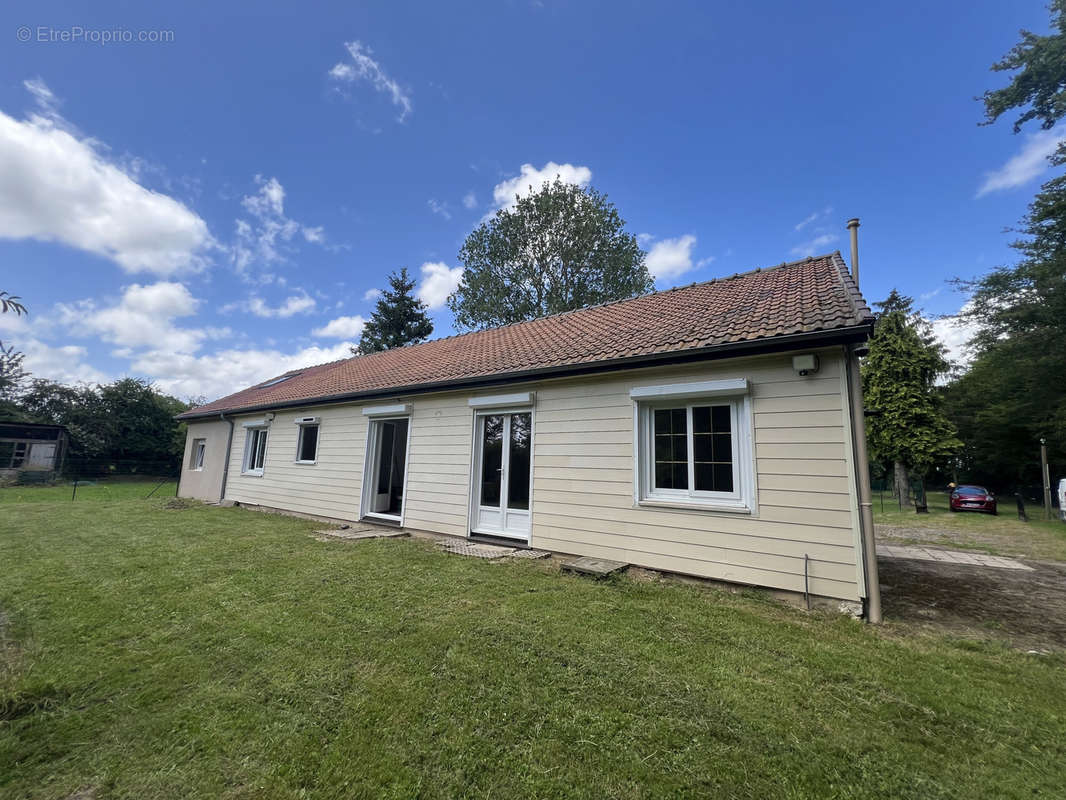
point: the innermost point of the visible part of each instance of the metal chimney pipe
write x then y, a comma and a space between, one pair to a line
853, 226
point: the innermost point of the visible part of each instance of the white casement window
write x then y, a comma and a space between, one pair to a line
199, 450
255, 444
307, 441
694, 449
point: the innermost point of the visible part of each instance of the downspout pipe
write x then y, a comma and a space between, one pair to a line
862, 480
225, 466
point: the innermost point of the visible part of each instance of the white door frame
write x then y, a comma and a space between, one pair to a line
475, 470
369, 482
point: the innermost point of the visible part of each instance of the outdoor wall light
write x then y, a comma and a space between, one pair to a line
806, 364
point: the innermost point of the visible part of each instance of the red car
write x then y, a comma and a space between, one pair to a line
973, 498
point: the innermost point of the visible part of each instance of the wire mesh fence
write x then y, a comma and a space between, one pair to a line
85, 479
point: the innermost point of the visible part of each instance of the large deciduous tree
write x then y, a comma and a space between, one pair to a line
561, 247
907, 426
399, 318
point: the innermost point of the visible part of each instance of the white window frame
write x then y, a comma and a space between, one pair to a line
251, 433
648, 399
303, 425
199, 452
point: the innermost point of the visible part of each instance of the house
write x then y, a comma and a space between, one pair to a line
31, 451
713, 430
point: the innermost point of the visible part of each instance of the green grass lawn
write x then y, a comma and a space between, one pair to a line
208, 652
89, 490
1004, 534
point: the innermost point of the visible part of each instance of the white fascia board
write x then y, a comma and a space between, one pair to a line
727, 387
501, 400
393, 410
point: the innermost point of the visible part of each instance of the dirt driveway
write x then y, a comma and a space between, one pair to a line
1027, 609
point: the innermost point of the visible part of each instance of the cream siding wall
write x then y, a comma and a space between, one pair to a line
583, 485
328, 488
583, 471
205, 484
438, 473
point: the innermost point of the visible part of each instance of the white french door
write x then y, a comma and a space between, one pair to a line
502, 475
386, 468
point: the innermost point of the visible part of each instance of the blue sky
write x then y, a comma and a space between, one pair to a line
211, 209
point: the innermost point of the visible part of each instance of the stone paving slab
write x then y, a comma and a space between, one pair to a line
597, 567
461, 547
949, 557
531, 554
360, 531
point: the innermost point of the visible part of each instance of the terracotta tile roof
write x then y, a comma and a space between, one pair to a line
809, 296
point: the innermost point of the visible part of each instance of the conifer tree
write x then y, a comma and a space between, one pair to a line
399, 319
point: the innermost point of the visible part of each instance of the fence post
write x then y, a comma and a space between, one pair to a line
72, 494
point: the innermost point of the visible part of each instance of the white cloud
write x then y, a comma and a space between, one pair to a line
813, 217
441, 209
64, 364
438, 281
56, 187
268, 237
531, 178
469, 200
293, 305
1027, 164
341, 328
42, 95
814, 246
226, 371
669, 258
143, 317
955, 333
301, 303
372, 294
363, 67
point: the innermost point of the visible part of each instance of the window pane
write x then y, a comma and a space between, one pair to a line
723, 477
386, 447
712, 445
308, 442
260, 442
491, 460
7, 451
720, 419
670, 435
518, 467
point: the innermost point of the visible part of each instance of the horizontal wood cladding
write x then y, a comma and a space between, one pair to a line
583, 454
583, 493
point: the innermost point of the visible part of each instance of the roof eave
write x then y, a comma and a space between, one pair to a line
854, 333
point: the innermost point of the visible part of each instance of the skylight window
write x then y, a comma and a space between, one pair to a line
276, 381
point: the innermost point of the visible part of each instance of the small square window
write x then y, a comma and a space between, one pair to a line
307, 444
